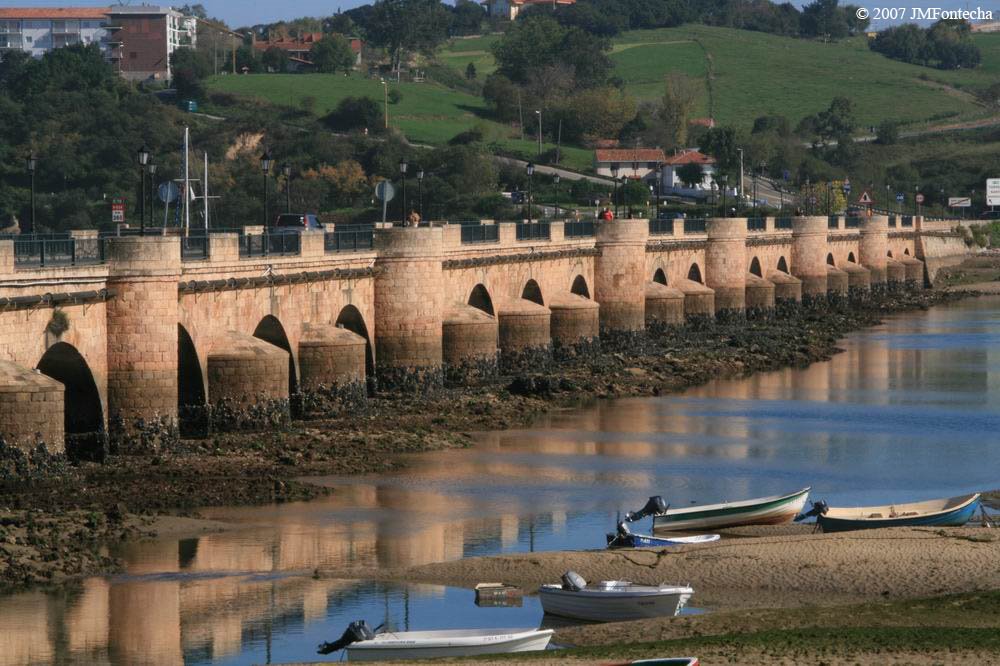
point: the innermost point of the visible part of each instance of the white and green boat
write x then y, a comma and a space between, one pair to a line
762, 511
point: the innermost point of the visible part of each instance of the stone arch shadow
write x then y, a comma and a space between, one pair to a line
850, 258
782, 265
580, 287
660, 277
755, 267
694, 273
480, 299
352, 319
532, 292
83, 412
191, 389
270, 330
829, 260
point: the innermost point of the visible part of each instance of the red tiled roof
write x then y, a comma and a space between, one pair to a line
58, 13
305, 44
688, 157
629, 155
704, 122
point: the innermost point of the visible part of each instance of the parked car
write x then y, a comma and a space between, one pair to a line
296, 222
990, 215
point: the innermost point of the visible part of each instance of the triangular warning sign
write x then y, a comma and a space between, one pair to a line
865, 198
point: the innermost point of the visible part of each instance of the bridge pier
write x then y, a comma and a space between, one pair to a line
664, 305
760, 293
787, 289
525, 332
329, 357
575, 320
726, 262
247, 370
143, 271
873, 247
620, 275
469, 341
31, 408
409, 306
809, 255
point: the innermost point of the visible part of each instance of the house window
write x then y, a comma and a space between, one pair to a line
651, 165
10, 34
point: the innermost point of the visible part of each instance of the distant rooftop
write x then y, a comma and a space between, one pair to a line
57, 13
142, 10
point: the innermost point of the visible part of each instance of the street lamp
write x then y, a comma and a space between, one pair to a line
402, 171
556, 179
151, 169
385, 90
143, 158
539, 114
420, 192
531, 172
265, 166
614, 176
916, 204
286, 171
725, 181
31, 162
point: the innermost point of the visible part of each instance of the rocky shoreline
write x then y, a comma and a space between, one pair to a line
111, 501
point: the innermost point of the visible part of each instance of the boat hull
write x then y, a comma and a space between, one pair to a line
385, 647
594, 606
955, 517
647, 541
767, 511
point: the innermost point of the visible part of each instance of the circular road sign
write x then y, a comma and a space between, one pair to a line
168, 191
920, 198
385, 191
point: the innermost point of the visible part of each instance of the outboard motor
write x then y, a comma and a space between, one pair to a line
654, 506
621, 537
623, 530
573, 581
818, 509
357, 631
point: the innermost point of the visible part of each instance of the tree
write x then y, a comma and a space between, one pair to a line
470, 72
680, 95
527, 44
888, 132
824, 18
691, 174
597, 113
407, 25
333, 53
776, 124
341, 24
502, 96
721, 143
355, 113
467, 17
275, 59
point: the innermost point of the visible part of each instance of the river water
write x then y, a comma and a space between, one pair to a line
910, 410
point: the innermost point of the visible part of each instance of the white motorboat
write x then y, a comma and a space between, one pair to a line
362, 644
612, 600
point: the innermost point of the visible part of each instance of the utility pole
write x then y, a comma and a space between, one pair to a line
740, 150
539, 114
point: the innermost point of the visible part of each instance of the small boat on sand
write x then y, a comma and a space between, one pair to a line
611, 600
625, 538
664, 661
948, 512
761, 511
363, 644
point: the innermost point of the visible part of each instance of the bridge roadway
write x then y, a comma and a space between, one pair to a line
135, 328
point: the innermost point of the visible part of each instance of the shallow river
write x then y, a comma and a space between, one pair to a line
911, 410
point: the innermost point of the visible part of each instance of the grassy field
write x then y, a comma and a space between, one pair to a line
428, 113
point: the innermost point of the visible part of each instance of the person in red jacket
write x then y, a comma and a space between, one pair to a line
607, 215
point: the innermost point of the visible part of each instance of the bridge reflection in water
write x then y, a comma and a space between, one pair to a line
867, 425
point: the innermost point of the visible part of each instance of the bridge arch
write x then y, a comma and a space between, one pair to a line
906, 251
889, 254
850, 258
270, 330
580, 287
481, 300
782, 265
659, 276
83, 412
190, 380
532, 292
694, 273
829, 259
352, 319
755, 267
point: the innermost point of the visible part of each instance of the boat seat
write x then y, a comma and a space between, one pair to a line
875, 515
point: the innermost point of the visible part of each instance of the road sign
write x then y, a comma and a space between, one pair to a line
920, 198
866, 199
847, 187
812, 201
168, 192
993, 191
900, 197
384, 191
959, 202
117, 210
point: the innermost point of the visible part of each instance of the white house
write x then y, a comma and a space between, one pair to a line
671, 182
37, 30
509, 9
636, 163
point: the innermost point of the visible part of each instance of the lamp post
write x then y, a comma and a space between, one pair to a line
143, 158
265, 166
286, 170
740, 151
556, 179
916, 204
539, 114
531, 172
385, 90
614, 197
829, 196
151, 169
888, 197
402, 172
420, 192
31, 162
725, 186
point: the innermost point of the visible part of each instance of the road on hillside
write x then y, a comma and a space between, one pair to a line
556, 171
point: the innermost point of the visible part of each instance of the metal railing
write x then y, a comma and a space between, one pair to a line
853, 222
833, 222
349, 240
782, 223
661, 227
892, 221
483, 233
694, 226
263, 245
533, 231
907, 221
756, 224
58, 252
194, 247
579, 228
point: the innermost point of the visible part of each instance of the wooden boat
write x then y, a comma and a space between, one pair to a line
762, 511
663, 661
612, 600
949, 512
362, 644
630, 540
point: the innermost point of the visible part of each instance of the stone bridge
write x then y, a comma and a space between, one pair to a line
140, 327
